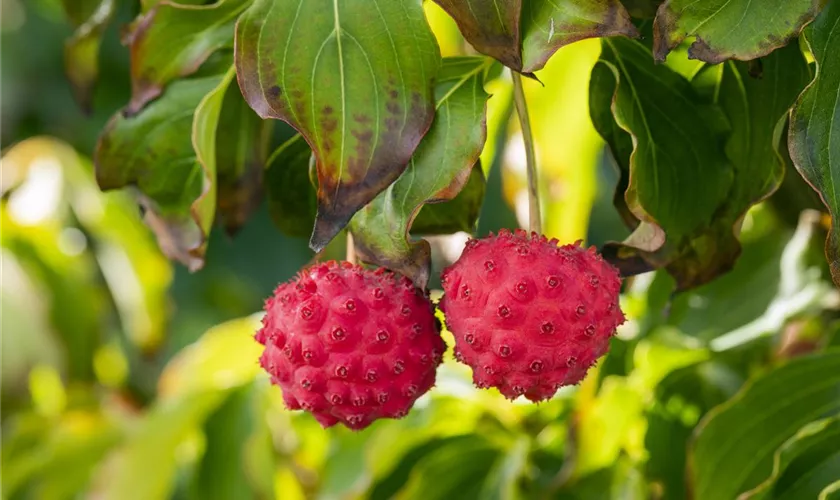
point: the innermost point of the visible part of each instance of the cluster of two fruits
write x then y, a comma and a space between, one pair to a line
352, 345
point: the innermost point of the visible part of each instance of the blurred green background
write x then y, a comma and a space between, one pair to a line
125, 376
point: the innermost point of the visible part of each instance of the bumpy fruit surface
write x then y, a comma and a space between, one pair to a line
350, 345
528, 316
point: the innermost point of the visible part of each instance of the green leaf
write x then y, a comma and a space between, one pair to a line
523, 35
439, 169
724, 464
172, 40
225, 356
678, 173
292, 201
354, 78
61, 459
145, 466
221, 473
453, 471
801, 455
81, 50
730, 29
457, 214
701, 242
831, 492
152, 151
204, 133
814, 131
242, 141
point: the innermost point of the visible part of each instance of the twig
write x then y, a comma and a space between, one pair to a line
535, 222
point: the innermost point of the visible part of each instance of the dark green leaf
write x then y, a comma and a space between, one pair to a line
452, 471
291, 195
172, 40
679, 175
242, 143
354, 78
796, 461
525, 34
730, 29
221, 473
642, 9
440, 167
700, 236
153, 151
458, 214
766, 413
814, 138
81, 50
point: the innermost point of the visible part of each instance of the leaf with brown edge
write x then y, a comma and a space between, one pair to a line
154, 153
292, 200
814, 136
491, 26
524, 34
172, 40
439, 169
730, 29
354, 77
242, 142
81, 50
458, 214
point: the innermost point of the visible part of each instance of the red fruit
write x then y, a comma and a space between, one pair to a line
529, 317
350, 345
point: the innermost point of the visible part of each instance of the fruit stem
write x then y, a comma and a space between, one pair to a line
351, 249
534, 221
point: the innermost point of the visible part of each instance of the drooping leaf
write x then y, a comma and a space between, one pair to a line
700, 236
242, 141
814, 138
354, 78
204, 133
439, 169
172, 40
724, 463
678, 173
81, 50
152, 151
524, 34
292, 200
812, 447
457, 214
730, 29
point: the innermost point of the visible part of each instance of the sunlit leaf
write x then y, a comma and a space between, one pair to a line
81, 51
525, 34
354, 78
63, 459
171, 40
725, 29
224, 357
151, 448
814, 131
724, 464
439, 169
